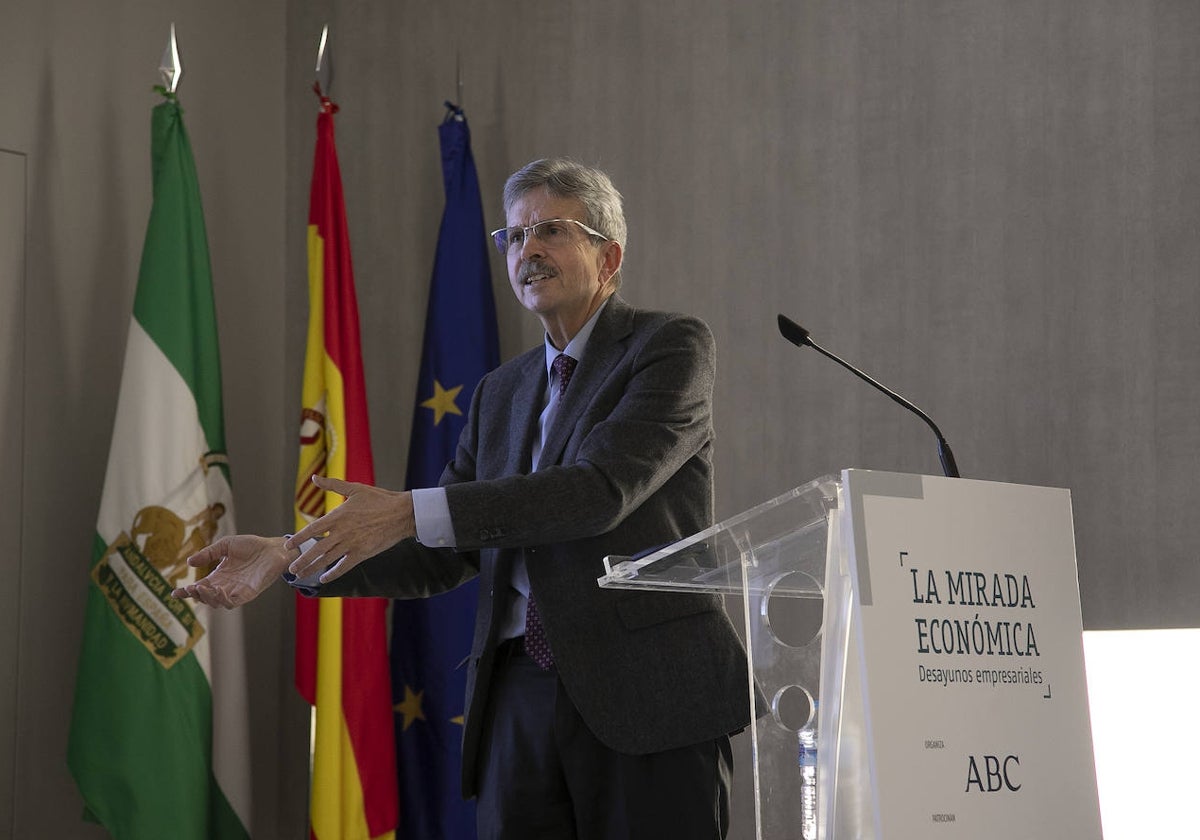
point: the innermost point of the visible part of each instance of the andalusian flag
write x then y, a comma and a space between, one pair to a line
159, 741
431, 637
341, 644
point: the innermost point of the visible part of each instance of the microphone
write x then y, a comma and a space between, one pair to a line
799, 336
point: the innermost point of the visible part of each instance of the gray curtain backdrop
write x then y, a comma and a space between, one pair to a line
991, 206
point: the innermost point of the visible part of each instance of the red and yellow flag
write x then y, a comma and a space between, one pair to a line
341, 644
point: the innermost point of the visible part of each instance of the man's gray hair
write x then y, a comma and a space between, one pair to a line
565, 178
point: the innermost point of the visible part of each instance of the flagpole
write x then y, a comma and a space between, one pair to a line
458, 77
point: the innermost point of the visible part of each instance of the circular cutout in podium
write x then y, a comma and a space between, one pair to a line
792, 708
793, 609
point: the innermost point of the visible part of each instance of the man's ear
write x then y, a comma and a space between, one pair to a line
611, 259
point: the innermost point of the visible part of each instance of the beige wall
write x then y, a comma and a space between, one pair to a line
991, 206
76, 106
12, 414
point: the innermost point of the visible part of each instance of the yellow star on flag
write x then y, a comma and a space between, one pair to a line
410, 707
442, 401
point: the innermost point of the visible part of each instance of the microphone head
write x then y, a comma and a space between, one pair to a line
792, 331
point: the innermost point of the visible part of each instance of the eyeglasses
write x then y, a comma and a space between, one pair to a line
550, 232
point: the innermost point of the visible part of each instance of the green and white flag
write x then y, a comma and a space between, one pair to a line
159, 742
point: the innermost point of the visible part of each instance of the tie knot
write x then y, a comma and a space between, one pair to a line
563, 367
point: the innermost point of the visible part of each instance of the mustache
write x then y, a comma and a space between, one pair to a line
533, 267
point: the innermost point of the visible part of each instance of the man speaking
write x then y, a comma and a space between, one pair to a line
590, 713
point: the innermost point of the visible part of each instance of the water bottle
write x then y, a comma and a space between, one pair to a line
808, 781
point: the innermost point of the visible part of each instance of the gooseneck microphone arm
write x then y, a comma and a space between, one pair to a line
799, 336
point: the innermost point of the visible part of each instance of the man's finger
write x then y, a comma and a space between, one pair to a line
209, 555
309, 562
313, 530
193, 592
338, 569
336, 485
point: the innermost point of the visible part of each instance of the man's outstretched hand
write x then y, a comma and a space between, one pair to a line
369, 520
245, 566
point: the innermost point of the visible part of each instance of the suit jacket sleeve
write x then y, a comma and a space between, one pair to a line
406, 570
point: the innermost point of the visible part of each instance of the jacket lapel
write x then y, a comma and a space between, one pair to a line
525, 408
604, 351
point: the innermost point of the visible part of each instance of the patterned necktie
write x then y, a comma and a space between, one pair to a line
563, 366
535, 634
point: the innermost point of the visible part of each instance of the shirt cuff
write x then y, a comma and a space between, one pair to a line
432, 513
310, 585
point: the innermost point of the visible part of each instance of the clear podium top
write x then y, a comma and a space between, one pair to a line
779, 536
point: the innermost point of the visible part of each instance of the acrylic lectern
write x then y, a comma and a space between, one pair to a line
922, 636
774, 557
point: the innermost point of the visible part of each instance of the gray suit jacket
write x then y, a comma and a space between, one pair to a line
626, 466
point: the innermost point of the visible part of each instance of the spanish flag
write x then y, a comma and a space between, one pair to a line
341, 644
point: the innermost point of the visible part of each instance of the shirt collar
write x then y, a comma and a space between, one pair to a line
576, 345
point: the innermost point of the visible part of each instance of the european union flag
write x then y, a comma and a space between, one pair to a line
431, 638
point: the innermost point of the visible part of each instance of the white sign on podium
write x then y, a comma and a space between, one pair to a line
973, 691
929, 630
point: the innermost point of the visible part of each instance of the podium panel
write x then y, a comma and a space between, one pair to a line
774, 557
917, 642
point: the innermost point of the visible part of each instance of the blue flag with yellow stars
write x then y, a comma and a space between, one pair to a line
432, 637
